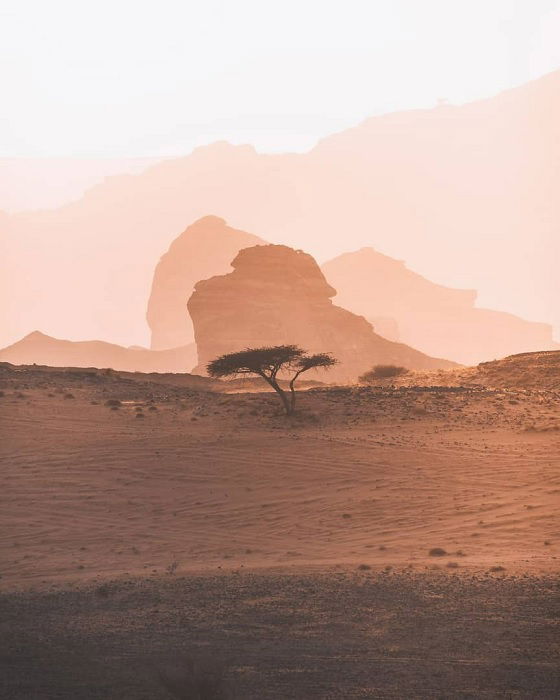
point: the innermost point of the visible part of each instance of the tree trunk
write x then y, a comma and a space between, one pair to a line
292, 396
282, 394
293, 392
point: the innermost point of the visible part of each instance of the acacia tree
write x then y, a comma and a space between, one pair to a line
268, 362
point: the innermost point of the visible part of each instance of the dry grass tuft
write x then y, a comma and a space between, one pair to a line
113, 403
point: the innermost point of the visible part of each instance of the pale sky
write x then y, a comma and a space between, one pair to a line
140, 78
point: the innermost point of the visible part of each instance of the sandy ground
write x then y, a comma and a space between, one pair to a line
206, 490
345, 635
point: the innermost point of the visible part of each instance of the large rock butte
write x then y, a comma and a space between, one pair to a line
203, 250
277, 295
433, 318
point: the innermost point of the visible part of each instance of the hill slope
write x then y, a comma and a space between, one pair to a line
41, 349
430, 317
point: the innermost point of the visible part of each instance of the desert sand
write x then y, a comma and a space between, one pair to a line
339, 553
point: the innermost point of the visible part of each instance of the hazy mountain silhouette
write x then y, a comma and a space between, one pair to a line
41, 349
276, 295
467, 195
428, 316
204, 249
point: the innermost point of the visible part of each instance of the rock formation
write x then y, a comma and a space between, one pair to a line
203, 250
472, 188
433, 318
38, 348
276, 295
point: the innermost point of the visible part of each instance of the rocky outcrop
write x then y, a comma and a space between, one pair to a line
276, 295
454, 190
433, 318
40, 349
203, 250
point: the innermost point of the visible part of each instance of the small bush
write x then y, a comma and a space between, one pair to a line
172, 568
113, 403
382, 372
437, 552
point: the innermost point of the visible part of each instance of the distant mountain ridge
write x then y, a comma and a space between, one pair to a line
467, 195
38, 348
430, 317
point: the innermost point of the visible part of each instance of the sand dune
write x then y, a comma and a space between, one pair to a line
372, 476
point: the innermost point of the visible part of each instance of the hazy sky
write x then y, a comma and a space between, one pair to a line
127, 78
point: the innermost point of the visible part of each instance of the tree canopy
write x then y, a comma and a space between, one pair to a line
268, 362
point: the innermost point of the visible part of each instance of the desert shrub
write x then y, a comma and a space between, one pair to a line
382, 372
112, 402
172, 568
437, 552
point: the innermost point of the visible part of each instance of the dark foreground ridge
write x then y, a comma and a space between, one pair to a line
330, 635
